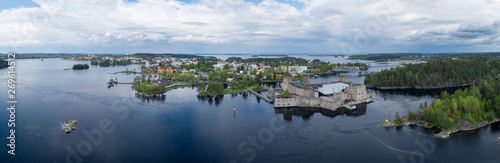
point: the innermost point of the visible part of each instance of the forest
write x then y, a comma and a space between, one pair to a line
480, 102
423, 56
434, 74
80, 66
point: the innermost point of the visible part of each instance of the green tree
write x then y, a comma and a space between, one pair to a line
398, 120
286, 93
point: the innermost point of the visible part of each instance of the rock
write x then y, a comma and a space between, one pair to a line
68, 126
442, 135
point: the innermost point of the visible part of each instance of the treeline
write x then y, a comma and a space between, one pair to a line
41, 55
362, 66
276, 62
110, 62
80, 66
438, 73
480, 102
422, 56
153, 55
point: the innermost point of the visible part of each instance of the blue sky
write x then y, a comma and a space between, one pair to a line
249, 26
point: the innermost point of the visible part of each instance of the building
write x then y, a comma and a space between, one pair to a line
330, 95
302, 88
162, 82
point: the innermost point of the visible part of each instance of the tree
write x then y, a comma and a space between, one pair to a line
398, 120
286, 93
245, 78
257, 78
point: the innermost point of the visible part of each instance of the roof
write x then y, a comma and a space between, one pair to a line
306, 74
287, 74
332, 88
297, 84
301, 85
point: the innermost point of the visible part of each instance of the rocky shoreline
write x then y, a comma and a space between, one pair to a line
444, 134
423, 88
468, 127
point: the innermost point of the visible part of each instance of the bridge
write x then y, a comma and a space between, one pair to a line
345, 69
261, 96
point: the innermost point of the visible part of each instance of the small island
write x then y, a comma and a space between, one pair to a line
80, 66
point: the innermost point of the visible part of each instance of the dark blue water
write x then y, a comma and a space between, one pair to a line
183, 127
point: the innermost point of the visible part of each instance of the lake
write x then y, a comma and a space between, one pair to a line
115, 125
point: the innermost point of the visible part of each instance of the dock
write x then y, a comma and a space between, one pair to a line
261, 96
124, 83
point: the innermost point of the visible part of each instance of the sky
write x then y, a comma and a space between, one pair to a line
249, 26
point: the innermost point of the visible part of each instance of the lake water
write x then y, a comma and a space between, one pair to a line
183, 127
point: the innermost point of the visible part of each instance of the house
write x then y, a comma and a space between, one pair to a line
265, 67
160, 70
301, 69
162, 82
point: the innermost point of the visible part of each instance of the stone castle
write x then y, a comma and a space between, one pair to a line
330, 95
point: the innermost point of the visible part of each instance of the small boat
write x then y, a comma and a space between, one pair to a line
350, 107
68, 126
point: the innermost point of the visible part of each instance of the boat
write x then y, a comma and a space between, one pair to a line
350, 107
68, 126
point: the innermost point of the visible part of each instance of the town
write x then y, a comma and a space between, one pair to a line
161, 73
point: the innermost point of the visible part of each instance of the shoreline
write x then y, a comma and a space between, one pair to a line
229, 93
162, 94
417, 88
444, 134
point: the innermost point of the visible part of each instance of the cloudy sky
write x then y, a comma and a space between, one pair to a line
249, 26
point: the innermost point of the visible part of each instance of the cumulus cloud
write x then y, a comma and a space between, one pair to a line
214, 26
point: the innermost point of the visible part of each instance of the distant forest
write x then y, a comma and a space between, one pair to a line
437, 73
426, 57
41, 55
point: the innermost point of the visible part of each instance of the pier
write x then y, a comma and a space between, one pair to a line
261, 96
124, 83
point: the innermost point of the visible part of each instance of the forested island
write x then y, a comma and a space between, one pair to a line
434, 74
80, 66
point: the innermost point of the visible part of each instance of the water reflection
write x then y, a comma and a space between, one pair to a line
306, 113
215, 99
413, 92
151, 98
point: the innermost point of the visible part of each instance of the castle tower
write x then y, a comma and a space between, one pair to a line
343, 78
287, 80
306, 79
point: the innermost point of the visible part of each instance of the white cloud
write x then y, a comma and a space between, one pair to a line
320, 26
